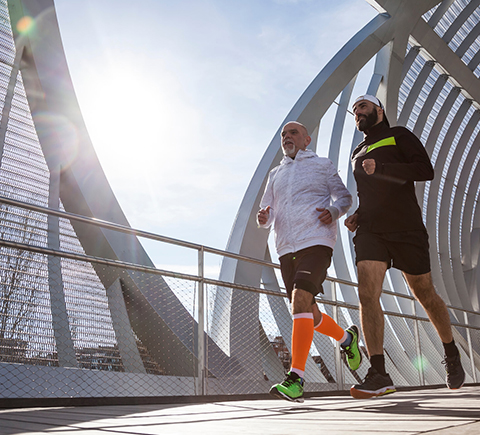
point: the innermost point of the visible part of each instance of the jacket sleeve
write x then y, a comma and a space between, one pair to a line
267, 200
341, 198
417, 166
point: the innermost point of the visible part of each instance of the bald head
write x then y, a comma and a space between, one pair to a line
300, 126
294, 138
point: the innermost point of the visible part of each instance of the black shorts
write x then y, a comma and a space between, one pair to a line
306, 269
406, 250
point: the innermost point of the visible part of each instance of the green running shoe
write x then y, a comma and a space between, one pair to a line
353, 352
290, 389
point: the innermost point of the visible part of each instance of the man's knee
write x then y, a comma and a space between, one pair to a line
367, 296
429, 299
370, 279
301, 301
423, 289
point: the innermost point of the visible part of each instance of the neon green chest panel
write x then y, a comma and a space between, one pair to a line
381, 143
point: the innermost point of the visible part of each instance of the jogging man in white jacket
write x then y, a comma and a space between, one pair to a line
303, 199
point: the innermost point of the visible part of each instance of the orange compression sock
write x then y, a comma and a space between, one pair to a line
302, 336
328, 326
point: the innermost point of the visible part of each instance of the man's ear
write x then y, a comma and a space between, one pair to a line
308, 139
380, 111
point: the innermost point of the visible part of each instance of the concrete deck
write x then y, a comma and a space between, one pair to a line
432, 411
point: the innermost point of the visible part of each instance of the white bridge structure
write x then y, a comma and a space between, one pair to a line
84, 313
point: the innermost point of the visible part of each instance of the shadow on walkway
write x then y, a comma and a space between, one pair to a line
407, 411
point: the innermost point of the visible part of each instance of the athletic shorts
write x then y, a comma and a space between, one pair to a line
306, 269
406, 250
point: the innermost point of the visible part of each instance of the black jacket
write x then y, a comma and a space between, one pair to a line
387, 201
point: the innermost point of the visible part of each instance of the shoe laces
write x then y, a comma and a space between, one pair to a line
348, 351
451, 363
371, 372
290, 380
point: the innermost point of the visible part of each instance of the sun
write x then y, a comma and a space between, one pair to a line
137, 119
120, 112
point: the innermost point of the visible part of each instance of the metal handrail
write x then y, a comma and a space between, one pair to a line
173, 241
201, 280
132, 231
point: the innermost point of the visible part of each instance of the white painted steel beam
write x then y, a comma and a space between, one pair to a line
460, 20
387, 40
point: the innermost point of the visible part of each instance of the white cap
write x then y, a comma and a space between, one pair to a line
370, 98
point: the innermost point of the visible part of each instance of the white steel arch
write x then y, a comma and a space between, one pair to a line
420, 58
426, 57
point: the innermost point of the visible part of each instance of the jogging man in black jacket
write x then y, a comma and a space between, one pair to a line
390, 233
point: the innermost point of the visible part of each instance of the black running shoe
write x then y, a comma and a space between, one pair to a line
455, 374
374, 385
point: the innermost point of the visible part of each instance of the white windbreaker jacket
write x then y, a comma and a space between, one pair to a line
294, 189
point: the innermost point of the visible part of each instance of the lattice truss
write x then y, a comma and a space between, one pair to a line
54, 312
421, 58
26, 332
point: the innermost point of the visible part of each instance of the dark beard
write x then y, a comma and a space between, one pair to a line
364, 124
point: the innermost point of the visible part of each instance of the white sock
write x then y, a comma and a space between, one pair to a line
299, 372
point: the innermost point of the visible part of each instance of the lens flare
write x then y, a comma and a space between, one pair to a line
60, 133
25, 25
420, 363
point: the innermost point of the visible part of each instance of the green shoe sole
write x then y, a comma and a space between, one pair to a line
276, 393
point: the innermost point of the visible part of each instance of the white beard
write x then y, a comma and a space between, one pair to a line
289, 150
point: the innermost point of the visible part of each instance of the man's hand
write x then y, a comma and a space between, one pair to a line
351, 222
369, 166
325, 216
262, 215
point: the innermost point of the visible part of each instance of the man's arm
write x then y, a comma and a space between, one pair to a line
341, 197
351, 222
417, 166
325, 215
265, 215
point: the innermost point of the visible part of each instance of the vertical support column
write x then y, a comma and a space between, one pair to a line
61, 326
127, 346
470, 348
7, 104
338, 356
418, 348
200, 381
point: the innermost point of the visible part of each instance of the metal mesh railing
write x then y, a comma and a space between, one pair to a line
76, 325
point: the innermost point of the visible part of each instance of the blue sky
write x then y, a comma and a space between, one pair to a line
181, 98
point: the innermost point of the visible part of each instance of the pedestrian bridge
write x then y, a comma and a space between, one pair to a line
84, 312
432, 411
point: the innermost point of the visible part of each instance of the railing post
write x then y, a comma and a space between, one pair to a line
470, 348
58, 304
200, 381
418, 347
338, 356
